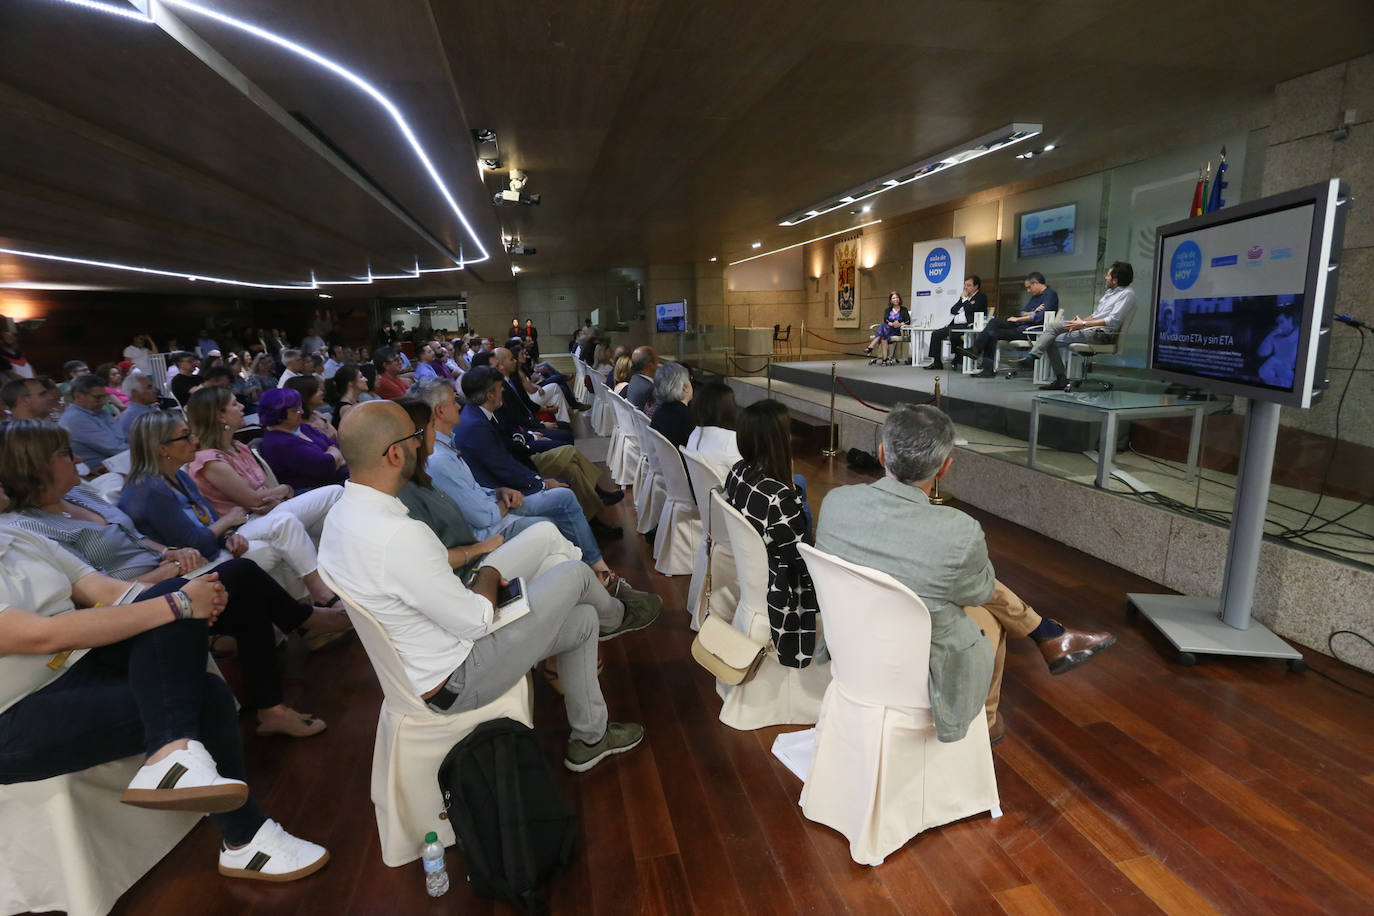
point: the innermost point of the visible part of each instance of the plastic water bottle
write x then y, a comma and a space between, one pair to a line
436, 873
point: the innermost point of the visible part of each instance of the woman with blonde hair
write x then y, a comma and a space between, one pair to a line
623, 374
165, 501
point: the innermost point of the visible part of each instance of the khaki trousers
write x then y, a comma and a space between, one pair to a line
577, 471
1001, 616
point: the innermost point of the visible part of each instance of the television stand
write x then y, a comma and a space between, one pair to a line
1223, 626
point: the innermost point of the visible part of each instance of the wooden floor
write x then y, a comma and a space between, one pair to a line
1130, 785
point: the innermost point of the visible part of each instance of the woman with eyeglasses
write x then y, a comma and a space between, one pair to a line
300, 455
46, 498
164, 500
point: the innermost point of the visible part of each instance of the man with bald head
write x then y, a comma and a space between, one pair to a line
398, 569
644, 365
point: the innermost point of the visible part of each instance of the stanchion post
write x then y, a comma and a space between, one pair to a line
832, 451
768, 368
935, 498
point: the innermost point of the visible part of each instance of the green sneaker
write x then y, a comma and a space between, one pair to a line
619, 738
641, 608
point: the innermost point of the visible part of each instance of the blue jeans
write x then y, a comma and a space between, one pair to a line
562, 508
126, 698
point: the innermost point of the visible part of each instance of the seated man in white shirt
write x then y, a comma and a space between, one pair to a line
397, 569
1102, 327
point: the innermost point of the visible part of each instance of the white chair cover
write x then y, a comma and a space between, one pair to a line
777, 695
879, 775
679, 523
649, 490
704, 479
629, 460
109, 486
579, 380
412, 741
603, 420
68, 843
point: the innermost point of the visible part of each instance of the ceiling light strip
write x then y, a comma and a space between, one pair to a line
807, 242
967, 152
386, 104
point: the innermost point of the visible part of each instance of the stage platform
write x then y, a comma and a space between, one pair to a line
998, 405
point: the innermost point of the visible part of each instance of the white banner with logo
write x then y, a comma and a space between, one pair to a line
937, 280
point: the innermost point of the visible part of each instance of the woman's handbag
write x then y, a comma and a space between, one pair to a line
726, 652
731, 656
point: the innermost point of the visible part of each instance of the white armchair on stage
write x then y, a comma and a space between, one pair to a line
412, 741
878, 774
68, 843
777, 694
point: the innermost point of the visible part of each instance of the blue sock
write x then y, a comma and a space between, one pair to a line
1031, 354
1048, 629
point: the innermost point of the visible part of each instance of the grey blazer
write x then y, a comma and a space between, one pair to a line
939, 553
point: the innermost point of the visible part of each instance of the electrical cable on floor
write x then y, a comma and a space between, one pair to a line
1331, 650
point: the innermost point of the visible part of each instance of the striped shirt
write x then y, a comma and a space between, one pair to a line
116, 548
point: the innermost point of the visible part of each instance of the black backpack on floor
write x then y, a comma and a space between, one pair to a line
512, 826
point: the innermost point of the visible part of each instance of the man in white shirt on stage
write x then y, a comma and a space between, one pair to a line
1101, 327
398, 569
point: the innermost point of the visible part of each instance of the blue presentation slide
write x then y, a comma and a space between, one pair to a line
1046, 232
671, 317
1232, 300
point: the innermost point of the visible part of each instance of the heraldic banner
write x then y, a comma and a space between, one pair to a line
847, 283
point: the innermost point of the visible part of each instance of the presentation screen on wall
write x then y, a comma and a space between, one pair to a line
671, 317
1041, 233
1239, 296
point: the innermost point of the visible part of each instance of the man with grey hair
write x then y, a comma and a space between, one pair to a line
142, 399
971, 613
95, 436
454, 655
291, 360
644, 365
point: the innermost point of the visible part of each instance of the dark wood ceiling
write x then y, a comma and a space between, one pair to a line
656, 131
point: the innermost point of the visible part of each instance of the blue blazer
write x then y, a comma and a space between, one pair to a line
488, 456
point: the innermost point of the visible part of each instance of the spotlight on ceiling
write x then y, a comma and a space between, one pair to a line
483, 135
1032, 153
757, 245
515, 246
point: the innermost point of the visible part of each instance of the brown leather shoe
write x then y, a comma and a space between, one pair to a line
998, 729
1072, 648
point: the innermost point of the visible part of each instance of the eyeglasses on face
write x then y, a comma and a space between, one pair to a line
418, 435
186, 437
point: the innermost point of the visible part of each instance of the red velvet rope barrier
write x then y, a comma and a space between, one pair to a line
843, 343
851, 393
748, 355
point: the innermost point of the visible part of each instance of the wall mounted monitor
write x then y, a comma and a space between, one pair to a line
671, 317
1242, 296
1044, 233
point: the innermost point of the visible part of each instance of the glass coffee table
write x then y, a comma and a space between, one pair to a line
1114, 407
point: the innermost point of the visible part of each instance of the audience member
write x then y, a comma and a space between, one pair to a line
492, 456
761, 486
292, 366
265, 371
163, 500
673, 392
300, 455
716, 416
313, 407
343, 391
116, 402
186, 378
26, 399
621, 375
518, 414
389, 384
1101, 327
142, 399
140, 351
644, 365
70, 370
13, 363
951, 572
47, 500
95, 435
396, 568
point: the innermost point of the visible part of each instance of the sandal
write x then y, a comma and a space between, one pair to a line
298, 725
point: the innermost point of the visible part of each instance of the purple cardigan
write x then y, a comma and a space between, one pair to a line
300, 464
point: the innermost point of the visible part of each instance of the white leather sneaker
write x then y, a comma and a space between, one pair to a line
185, 780
272, 855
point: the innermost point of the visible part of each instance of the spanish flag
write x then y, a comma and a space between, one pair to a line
1199, 196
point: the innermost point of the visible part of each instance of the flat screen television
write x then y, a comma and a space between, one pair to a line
1242, 297
1043, 233
671, 317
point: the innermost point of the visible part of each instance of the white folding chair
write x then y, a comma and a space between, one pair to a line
628, 454
777, 694
679, 523
412, 740
878, 773
602, 419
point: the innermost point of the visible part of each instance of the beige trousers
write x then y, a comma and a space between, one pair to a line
1002, 615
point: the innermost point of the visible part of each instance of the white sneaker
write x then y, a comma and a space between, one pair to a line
272, 855
185, 780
